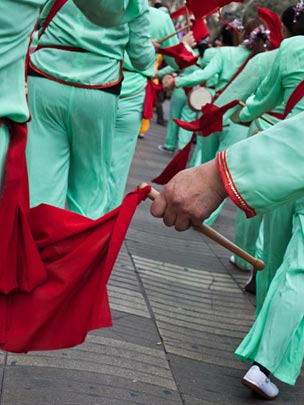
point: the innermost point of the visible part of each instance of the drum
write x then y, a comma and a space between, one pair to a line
198, 97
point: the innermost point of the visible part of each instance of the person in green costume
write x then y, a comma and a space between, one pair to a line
130, 107
17, 21
74, 81
276, 88
179, 106
246, 84
245, 174
275, 342
218, 66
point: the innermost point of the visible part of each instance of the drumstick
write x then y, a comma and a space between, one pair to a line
261, 116
217, 237
160, 41
187, 19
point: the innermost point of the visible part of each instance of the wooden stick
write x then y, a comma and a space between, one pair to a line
261, 116
217, 237
160, 41
187, 19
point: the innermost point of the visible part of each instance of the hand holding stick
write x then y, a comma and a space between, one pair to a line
217, 237
242, 104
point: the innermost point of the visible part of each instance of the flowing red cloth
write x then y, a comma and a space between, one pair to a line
211, 121
202, 8
65, 258
150, 100
178, 13
199, 29
273, 23
180, 53
21, 267
178, 163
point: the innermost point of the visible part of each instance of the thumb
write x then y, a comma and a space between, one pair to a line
158, 206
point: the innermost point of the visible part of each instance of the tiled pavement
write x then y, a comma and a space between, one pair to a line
179, 311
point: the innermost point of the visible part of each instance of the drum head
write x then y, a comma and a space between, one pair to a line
198, 97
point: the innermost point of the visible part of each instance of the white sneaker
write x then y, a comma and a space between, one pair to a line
256, 380
232, 260
165, 149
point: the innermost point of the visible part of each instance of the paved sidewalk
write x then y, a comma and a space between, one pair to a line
179, 311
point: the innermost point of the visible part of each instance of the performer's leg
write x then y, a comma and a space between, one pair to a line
196, 158
246, 234
178, 100
276, 339
210, 146
127, 125
144, 127
92, 115
184, 136
48, 145
4, 143
277, 234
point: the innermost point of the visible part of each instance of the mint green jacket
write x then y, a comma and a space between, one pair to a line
222, 65
17, 20
161, 25
287, 71
108, 13
101, 63
266, 170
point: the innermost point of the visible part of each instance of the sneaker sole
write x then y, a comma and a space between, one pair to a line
256, 389
239, 268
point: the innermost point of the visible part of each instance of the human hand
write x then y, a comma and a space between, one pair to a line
168, 82
235, 117
156, 44
190, 197
189, 39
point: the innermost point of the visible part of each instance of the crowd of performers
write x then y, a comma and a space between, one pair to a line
88, 87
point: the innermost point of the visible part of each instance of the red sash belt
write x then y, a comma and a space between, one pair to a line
58, 4
240, 69
150, 100
295, 97
293, 100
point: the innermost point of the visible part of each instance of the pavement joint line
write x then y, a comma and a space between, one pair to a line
202, 321
222, 318
103, 369
151, 312
154, 263
178, 290
202, 328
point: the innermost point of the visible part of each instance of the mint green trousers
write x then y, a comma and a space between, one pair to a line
4, 142
69, 148
276, 339
128, 122
178, 137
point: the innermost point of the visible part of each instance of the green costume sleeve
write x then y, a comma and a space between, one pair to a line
269, 94
246, 83
266, 170
208, 55
161, 26
108, 13
201, 75
166, 71
17, 20
139, 48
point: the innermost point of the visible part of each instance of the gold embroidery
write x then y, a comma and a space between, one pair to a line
233, 188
